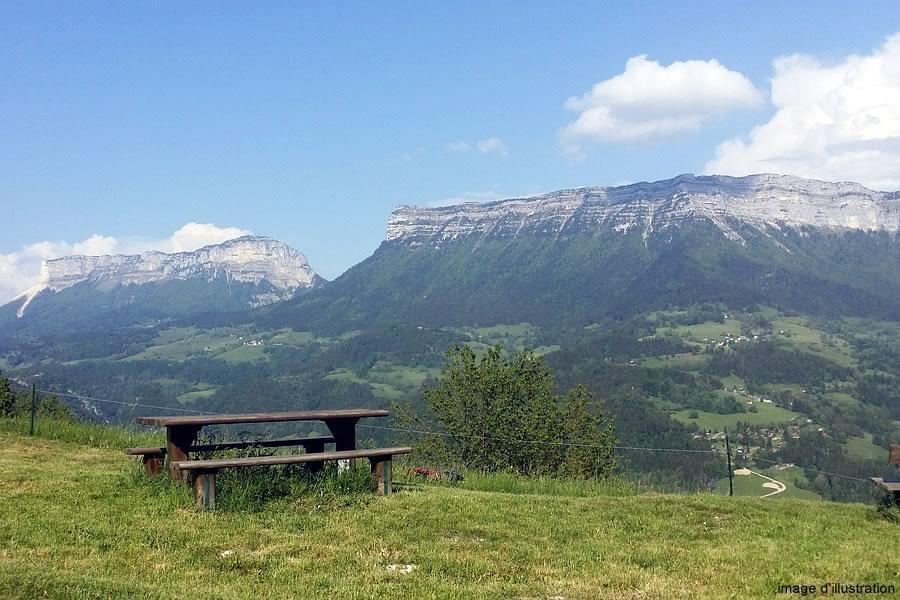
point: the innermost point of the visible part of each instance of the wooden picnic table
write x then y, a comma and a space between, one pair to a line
182, 431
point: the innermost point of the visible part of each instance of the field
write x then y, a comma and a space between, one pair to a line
710, 331
862, 447
798, 334
768, 414
78, 521
752, 485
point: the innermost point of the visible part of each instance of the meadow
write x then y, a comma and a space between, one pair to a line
79, 520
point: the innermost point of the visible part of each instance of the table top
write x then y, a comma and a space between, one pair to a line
272, 417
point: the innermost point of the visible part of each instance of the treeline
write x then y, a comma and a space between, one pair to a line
764, 362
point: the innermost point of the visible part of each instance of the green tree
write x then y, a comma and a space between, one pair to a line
503, 414
590, 438
7, 400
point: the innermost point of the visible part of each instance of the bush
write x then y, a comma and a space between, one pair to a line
503, 414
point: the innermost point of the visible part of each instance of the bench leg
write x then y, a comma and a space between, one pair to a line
205, 489
152, 464
382, 472
344, 432
311, 447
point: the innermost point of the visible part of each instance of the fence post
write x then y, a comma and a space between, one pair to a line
730, 470
33, 407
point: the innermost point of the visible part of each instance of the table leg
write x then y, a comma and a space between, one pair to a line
205, 489
382, 474
179, 439
314, 447
344, 432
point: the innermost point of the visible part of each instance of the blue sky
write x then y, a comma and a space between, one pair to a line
310, 122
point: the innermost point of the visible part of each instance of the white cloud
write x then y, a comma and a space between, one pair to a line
19, 270
491, 145
838, 122
459, 147
649, 101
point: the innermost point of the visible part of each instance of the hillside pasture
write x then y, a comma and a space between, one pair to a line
81, 522
768, 414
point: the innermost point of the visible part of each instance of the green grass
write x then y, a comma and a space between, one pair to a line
84, 433
381, 390
709, 330
687, 361
343, 374
290, 337
400, 376
179, 344
798, 334
194, 395
731, 382
78, 522
862, 447
752, 485
244, 354
768, 414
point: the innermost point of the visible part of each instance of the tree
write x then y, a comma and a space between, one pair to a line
7, 400
590, 438
503, 414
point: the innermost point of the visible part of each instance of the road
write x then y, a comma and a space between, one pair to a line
779, 487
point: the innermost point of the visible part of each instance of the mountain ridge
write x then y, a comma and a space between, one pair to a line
765, 202
246, 259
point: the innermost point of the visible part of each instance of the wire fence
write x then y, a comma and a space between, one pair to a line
423, 432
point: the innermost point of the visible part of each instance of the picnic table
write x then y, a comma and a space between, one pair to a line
182, 431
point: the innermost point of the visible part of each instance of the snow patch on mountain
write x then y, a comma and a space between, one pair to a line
765, 202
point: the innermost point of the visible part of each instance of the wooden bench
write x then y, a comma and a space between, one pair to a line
153, 458
204, 471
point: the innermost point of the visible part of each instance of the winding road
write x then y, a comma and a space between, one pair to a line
776, 486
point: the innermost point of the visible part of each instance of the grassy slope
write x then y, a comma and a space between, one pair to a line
76, 521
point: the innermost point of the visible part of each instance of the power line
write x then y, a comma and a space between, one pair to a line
523, 441
131, 404
443, 434
815, 470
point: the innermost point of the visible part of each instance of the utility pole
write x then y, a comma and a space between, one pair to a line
33, 407
730, 470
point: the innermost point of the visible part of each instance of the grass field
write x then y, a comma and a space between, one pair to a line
768, 414
800, 335
862, 447
709, 330
752, 485
687, 361
77, 521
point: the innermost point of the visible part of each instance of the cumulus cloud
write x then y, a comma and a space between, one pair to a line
832, 122
20, 270
491, 145
649, 101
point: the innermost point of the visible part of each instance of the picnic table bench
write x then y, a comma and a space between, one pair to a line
153, 457
204, 471
182, 432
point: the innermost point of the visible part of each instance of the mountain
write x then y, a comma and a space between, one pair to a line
685, 305
236, 275
582, 255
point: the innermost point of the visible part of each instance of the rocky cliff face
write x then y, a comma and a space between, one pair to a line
763, 202
248, 259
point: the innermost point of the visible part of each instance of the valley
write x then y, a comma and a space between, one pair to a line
768, 305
